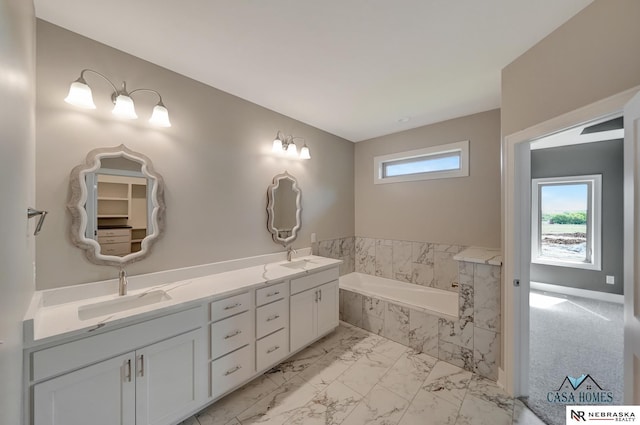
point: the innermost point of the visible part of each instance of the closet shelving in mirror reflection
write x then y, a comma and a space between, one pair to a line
117, 206
286, 146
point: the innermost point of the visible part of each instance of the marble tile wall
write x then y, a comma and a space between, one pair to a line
472, 341
421, 263
340, 249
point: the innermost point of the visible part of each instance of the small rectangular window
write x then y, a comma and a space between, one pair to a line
566, 221
436, 162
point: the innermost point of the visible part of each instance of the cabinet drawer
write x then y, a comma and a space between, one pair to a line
230, 306
231, 370
115, 248
271, 293
230, 334
113, 239
272, 349
114, 232
310, 281
271, 317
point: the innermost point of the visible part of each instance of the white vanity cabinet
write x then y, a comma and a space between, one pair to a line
314, 306
155, 384
98, 394
159, 369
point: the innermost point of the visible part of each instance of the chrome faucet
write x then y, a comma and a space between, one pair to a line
290, 251
122, 282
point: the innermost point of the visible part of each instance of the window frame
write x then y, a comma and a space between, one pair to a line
594, 221
379, 163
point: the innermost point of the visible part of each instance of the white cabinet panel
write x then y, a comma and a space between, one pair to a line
313, 312
271, 317
156, 385
230, 306
271, 349
231, 370
327, 307
313, 280
230, 334
303, 318
272, 293
102, 394
169, 379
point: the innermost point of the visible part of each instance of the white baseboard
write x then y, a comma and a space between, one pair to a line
585, 293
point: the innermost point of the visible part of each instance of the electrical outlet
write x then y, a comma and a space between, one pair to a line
313, 238
611, 280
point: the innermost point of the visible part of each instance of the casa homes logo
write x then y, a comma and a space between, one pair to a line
581, 390
602, 414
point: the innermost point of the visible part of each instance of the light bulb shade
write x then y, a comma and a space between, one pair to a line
160, 116
304, 152
124, 107
292, 150
277, 145
80, 95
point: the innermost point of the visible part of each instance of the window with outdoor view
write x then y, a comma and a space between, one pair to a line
566, 225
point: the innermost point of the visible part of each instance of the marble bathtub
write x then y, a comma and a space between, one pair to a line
461, 328
423, 298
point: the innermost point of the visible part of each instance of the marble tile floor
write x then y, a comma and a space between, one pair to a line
354, 377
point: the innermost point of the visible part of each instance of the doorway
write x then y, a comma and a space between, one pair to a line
516, 191
576, 268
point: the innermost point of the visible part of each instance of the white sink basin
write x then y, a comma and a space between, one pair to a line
301, 264
127, 302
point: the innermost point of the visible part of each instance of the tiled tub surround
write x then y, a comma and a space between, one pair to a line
421, 263
471, 340
339, 249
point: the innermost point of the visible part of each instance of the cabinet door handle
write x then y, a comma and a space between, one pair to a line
141, 364
232, 370
320, 291
229, 307
272, 349
127, 373
316, 300
273, 294
274, 317
232, 334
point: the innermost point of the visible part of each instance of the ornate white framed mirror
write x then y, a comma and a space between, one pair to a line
117, 206
284, 209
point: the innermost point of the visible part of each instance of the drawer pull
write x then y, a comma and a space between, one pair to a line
272, 349
232, 370
274, 317
273, 294
229, 307
232, 334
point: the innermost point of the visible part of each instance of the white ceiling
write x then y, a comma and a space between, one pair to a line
354, 68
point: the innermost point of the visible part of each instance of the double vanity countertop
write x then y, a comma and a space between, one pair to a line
73, 311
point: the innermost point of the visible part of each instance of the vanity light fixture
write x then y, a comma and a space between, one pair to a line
80, 95
286, 145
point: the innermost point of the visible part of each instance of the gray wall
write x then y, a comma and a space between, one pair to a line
459, 211
216, 161
588, 58
604, 158
17, 191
